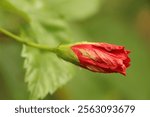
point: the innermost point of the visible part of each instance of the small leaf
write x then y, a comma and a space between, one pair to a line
45, 72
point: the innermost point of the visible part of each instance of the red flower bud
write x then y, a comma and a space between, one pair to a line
96, 57
102, 57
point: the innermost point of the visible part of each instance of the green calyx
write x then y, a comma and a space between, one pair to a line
65, 52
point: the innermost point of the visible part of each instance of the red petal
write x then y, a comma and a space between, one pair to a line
102, 57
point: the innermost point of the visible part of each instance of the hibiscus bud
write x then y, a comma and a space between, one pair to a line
96, 57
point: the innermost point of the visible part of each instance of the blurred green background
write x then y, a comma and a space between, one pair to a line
122, 22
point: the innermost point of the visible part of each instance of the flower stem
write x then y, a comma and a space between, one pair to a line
26, 42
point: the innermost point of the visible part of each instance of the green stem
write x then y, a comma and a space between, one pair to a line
26, 42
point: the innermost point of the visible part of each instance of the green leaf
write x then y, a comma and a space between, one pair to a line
68, 9
45, 72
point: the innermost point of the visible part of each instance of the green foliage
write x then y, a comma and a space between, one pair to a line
57, 22
46, 23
